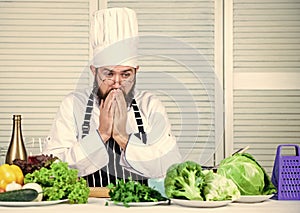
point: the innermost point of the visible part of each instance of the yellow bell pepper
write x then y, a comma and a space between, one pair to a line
10, 173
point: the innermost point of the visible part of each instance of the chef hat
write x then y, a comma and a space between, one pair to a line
114, 37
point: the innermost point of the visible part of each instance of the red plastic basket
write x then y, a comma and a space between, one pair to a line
286, 174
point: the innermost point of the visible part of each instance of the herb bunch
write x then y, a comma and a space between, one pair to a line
133, 191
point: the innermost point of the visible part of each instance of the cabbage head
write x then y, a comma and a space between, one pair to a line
218, 187
247, 174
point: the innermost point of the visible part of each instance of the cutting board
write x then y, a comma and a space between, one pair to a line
99, 192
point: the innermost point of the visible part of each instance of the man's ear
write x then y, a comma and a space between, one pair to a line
137, 68
93, 69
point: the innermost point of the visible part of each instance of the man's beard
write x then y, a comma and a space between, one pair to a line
101, 96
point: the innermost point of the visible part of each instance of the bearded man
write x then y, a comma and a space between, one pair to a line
113, 131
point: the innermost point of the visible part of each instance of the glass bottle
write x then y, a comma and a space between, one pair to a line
16, 149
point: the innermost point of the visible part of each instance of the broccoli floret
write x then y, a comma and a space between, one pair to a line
184, 180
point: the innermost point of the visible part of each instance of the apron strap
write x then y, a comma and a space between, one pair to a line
87, 116
139, 122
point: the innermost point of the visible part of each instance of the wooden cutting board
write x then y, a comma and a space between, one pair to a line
99, 192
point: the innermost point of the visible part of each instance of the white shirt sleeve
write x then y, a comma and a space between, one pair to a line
88, 154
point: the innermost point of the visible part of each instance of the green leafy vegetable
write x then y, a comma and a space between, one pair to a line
247, 174
133, 191
60, 182
218, 187
184, 181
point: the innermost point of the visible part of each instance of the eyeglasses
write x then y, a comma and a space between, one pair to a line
108, 76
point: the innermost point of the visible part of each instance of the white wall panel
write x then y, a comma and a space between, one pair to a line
44, 47
263, 65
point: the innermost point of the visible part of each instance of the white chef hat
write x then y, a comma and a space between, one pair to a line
114, 37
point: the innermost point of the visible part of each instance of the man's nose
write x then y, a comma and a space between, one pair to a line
117, 81
117, 78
